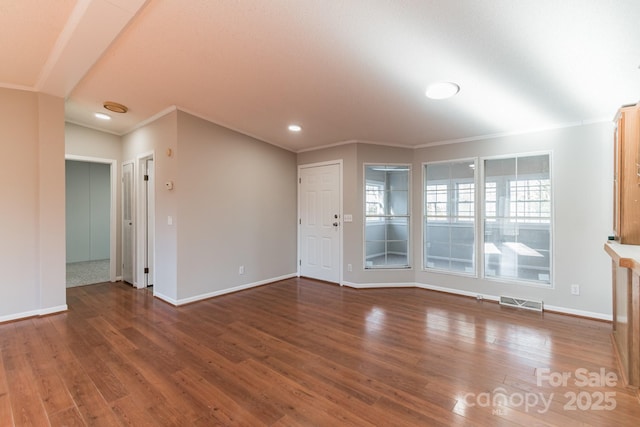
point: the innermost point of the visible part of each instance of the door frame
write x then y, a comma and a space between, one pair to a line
113, 216
140, 210
338, 162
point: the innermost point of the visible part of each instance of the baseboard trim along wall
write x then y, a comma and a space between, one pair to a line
555, 309
201, 297
34, 313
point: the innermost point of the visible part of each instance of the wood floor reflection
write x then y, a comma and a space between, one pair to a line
300, 352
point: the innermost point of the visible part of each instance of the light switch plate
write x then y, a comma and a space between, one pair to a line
348, 218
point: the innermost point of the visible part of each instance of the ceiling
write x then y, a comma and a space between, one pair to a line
352, 70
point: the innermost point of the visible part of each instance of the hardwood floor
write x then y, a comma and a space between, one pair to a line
300, 352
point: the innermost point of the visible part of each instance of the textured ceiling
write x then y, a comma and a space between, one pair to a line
343, 70
28, 33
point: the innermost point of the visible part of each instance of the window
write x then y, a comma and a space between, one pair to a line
517, 218
437, 201
387, 217
465, 201
375, 200
449, 216
490, 201
514, 213
530, 200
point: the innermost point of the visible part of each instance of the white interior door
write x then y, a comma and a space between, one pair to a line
150, 227
127, 223
320, 222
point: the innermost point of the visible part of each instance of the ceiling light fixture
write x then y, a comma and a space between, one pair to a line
295, 128
102, 116
115, 107
442, 90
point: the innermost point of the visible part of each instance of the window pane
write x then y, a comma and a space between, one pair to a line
398, 202
387, 243
450, 216
386, 216
517, 218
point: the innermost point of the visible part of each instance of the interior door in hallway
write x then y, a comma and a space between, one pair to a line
127, 223
320, 221
149, 255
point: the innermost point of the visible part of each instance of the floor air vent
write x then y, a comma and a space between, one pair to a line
521, 303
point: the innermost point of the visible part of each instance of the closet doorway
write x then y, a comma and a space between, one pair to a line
90, 216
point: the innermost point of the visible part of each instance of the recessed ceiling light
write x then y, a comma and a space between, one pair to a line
102, 116
442, 90
295, 128
115, 107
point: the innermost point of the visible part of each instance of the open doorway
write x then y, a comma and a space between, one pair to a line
90, 215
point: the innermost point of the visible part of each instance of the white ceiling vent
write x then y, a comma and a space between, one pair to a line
521, 303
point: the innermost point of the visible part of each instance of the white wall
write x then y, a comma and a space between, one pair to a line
582, 186
32, 222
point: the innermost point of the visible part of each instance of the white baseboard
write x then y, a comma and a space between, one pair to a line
581, 313
52, 310
377, 285
201, 297
457, 292
165, 298
34, 313
118, 279
556, 309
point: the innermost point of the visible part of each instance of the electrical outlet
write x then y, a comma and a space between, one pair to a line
241, 269
575, 289
349, 267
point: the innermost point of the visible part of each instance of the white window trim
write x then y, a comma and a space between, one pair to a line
481, 228
476, 260
409, 216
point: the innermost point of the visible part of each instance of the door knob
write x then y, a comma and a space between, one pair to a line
335, 224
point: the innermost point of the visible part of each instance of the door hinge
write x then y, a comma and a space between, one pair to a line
146, 270
300, 263
299, 180
146, 177
300, 221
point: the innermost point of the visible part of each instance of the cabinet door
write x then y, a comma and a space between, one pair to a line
616, 176
628, 192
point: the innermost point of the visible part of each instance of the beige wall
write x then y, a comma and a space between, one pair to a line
32, 223
233, 203
236, 207
581, 173
82, 141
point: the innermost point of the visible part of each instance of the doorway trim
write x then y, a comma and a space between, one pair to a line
113, 218
338, 162
140, 232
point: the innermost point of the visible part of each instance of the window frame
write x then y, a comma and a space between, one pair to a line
482, 218
476, 195
408, 216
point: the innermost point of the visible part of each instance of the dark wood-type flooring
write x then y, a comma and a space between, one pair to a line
300, 352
